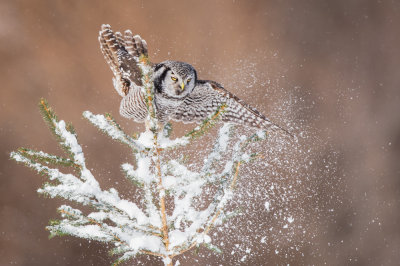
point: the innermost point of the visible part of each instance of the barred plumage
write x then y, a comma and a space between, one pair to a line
179, 95
122, 55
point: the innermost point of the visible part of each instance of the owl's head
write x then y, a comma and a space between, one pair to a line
176, 79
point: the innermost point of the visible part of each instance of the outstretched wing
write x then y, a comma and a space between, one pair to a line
208, 96
122, 54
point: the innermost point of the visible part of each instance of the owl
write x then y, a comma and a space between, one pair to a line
178, 93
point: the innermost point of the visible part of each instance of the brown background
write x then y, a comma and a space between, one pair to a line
338, 59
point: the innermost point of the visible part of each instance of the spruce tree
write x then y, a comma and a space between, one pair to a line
156, 228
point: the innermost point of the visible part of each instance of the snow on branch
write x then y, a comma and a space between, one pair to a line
109, 126
162, 226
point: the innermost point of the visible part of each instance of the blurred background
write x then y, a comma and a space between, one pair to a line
328, 70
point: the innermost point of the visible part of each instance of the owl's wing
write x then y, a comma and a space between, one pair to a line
122, 54
208, 96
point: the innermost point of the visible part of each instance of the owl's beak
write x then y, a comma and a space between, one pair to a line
182, 86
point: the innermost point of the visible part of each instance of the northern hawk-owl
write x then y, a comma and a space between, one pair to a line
179, 95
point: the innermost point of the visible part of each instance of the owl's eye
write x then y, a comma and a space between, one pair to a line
174, 79
188, 80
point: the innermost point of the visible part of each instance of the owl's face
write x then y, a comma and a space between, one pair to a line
175, 79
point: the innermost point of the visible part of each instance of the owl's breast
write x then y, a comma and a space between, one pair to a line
165, 106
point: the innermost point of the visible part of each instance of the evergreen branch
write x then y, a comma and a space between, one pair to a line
30, 163
110, 127
213, 248
42, 157
173, 144
148, 90
119, 250
60, 130
82, 220
233, 184
68, 139
130, 174
208, 123
48, 115
161, 192
143, 59
222, 204
211, 223
226, 216
167, 130
127, 255
149, 231
151, 208
258, 136
154, 126
220, 145
72, 188
62, 210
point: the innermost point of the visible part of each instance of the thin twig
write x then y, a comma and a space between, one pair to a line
215, 217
